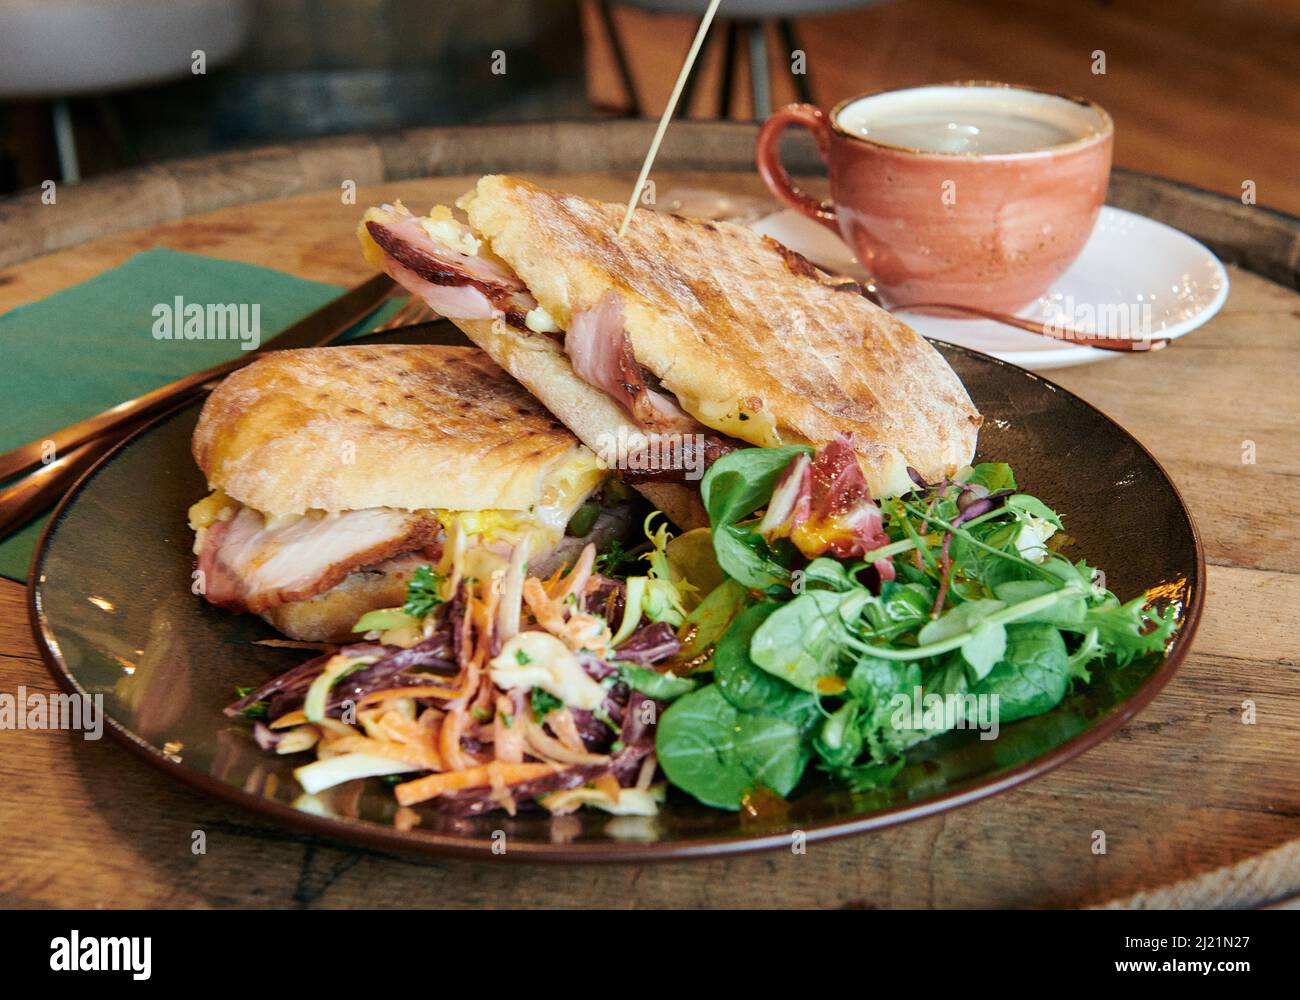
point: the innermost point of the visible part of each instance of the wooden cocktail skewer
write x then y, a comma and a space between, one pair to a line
668, 114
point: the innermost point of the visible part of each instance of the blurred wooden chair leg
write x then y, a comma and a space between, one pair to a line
790, 42
65, 140
728, 70
760, 82
114, 127
606, 9
692, 78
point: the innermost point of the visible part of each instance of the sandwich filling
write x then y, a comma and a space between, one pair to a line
441, 260
252, 561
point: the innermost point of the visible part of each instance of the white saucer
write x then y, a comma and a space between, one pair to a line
1130, 264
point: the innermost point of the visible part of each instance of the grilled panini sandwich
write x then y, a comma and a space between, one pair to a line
337, 472
702, 330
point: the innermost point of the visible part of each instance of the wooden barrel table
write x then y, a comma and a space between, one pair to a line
1199, 807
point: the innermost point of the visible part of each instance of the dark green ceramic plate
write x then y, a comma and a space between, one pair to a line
113, 614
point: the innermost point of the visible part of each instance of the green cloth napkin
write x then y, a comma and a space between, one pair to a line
88, 347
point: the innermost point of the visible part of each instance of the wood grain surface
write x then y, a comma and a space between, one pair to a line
1199, 808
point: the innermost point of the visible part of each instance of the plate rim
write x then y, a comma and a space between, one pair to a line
426, 843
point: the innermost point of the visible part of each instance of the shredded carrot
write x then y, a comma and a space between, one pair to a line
549, 748
432, 785
488, 624
422, 757
395, 726
578, 577
608, 784
507, 737
565, 729
453, 724
552, 581
406, 819
421, 691
466, 627
295, 718
549, 615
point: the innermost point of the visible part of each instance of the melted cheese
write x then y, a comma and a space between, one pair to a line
566, 490
540, 321
216, 506
445, 228
757, 426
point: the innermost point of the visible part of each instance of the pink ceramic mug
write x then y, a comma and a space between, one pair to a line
938, 209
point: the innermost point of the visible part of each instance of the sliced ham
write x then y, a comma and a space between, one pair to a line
454, 284
601, 354
463, 286
250, 566
825, 506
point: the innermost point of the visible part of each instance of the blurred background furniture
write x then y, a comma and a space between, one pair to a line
1202, 91
753, 18
1206, 92
52, 50
306, 68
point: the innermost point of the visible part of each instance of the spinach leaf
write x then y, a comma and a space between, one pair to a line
828, 573
716, 753
751, 689
707, 623
987, 641
1067, 611
900, 608
993, 475
738, 484
652, 684
1032, 676
801, 642
839, 742
745, 556
985, 647
875, 682
735, 486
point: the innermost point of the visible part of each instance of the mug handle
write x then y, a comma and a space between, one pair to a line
767, 152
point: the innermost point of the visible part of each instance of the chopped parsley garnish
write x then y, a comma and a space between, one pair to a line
423, 592
259, 710
544, 703
522, 658
609, 561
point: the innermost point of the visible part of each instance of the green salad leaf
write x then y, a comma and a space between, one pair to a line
820, 662
735, 486
709, 748
423, 592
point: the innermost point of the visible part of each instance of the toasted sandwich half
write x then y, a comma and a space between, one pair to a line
681, 327
337, 472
